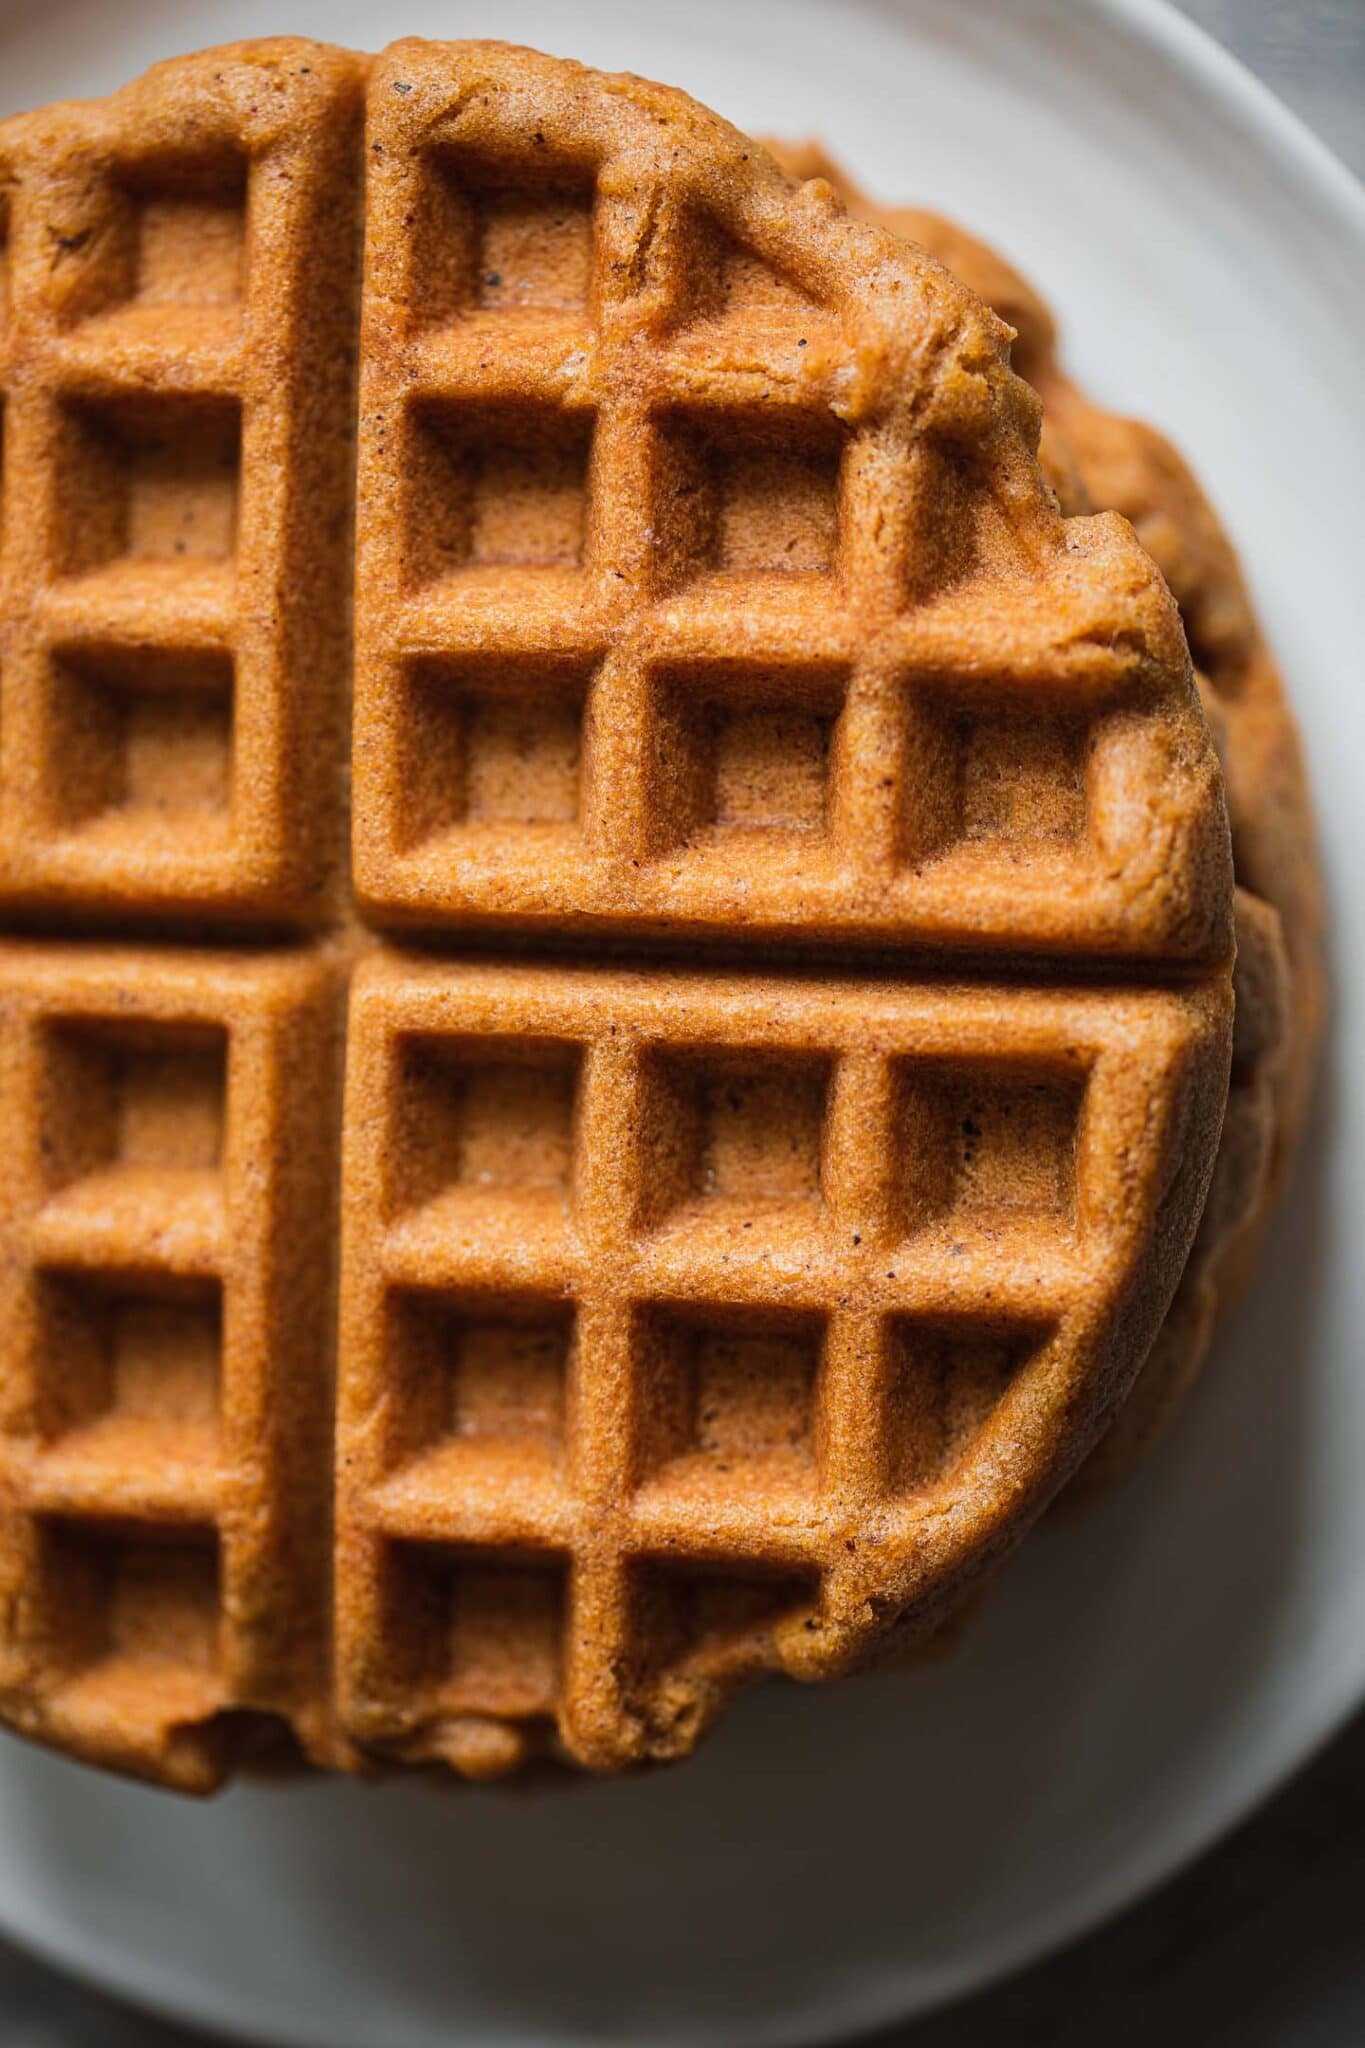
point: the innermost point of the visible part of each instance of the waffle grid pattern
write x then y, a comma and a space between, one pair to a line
164, 1246
1097, 458
165, 339
179, 266
638, 641
811, 1273
659, 1365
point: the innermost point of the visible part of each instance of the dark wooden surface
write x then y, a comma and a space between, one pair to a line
1262, 1943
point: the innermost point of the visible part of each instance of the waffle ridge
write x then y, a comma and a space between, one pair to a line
693, 1321
166, 1286
1095, 458
744, 1307
177, 372
661, 451
177, 383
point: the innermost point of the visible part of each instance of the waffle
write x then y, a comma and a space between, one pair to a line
167, 1277
709, 1324
177, 369
1096, 459
725, 1310
658, 626
177, 375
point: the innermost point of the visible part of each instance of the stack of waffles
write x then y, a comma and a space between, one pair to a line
618, 997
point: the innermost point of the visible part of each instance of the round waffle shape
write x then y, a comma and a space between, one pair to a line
444, 1357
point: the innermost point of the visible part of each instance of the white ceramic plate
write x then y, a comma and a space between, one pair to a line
1150, 1671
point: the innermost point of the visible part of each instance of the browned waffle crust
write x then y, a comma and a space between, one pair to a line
696, 1320
1097, 459
694, 1294
166, 1216
175, 416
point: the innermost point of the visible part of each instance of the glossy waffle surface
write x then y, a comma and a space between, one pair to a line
698, 1318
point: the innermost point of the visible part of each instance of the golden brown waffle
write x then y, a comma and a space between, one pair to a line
694, 1322
704, 581
176, 369
166, 1259
693, 1328
1097, 459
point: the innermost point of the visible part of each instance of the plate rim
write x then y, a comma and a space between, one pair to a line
1189, 49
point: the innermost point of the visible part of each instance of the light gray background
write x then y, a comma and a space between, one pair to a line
1259, 1945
